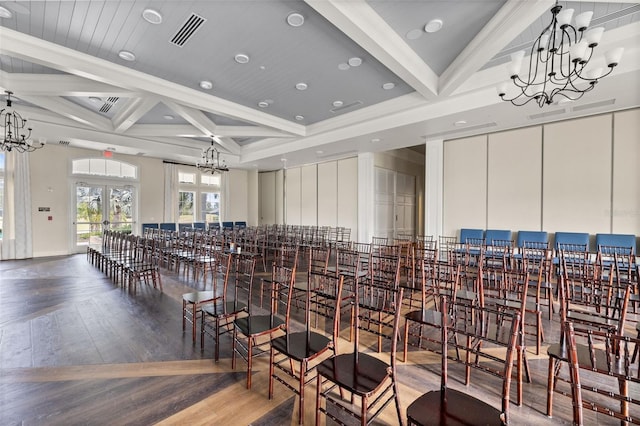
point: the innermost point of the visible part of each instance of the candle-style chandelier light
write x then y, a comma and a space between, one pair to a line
558, 62
211, 162
17, 136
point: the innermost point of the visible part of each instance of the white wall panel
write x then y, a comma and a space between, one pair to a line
577, 175
267, 198
328, 193
465, 184
626, 173
514, 184
309, 195
292, 187
280, 197
237, 206
348, 194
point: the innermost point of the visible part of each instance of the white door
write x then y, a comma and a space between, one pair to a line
395, 203
99, 207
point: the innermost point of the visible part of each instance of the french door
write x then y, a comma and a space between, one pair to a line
99, 207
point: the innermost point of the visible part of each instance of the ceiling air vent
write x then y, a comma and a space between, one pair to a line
343, 107
64, 143
594, 105
108, 104
460, 131
188, 29
546, 114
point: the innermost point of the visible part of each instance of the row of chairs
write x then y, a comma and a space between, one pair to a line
181, 226
127, 259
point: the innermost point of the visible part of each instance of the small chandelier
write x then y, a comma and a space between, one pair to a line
211, 162
16, 137
558, 60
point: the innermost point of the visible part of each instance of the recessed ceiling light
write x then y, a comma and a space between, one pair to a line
414, 34
388, 86
460, 123
263, 104
95, 99
152, 16
433, 26
299, 117
319, 151
343, 66
374, 140
355, 61
284, 160
295, 19
126, 55
301, 86
241, 58
167, 117
5, 13
262, 67
206, 85
338, 103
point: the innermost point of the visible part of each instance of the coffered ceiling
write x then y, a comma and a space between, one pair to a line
306, 81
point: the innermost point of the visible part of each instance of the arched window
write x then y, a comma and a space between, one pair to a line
104, 167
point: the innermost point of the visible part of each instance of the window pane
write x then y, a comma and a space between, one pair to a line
185, 206
210, 179
97, 167
113, 168
81, 167
186, 177
210, 203
1, 161
128, 171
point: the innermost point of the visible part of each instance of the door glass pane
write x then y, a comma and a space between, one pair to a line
186, 206
210, 202
121, 209
89, 200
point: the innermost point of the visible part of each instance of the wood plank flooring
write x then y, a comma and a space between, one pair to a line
77, 349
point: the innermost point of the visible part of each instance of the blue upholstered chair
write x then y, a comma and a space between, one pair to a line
240, 225
616, 240
168, 226
532, 237
468, 233
491, 236
199, 225
227, 226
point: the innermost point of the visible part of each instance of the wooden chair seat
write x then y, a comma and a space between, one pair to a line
370, 375
192, 307
435, 408
301, 345
258, 325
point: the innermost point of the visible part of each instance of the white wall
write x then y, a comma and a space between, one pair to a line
576, 175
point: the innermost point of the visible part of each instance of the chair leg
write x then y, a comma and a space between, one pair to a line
405, 345
233, 348
217, 342
303, 371
249, 361
271, 370
184, 312
396, 397
318, 397
554, 367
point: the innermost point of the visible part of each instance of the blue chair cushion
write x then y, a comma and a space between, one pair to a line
466, 233
532, 236
616, 240
571, 238
496, 234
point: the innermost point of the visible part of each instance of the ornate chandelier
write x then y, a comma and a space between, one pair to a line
211, 162
16, 137
558, 61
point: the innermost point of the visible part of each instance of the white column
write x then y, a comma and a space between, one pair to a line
366, 193
434, 184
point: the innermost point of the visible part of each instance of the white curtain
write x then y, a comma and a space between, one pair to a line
224, 196
170, 192
17, 241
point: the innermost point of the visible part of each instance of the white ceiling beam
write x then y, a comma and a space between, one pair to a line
250, 132
363, 25
58, 85
202, 123
131, 112
507, 24
70, 110
58, 57
166, 131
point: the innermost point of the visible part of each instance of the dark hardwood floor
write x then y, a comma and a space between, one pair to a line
77, 349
